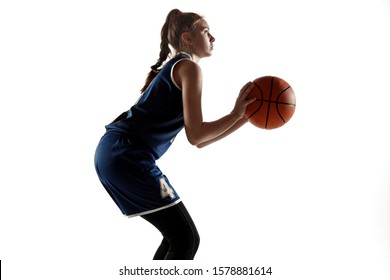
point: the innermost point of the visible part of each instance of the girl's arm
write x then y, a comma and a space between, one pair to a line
199, 133
236, 126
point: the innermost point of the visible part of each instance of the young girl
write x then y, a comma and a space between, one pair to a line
126, 155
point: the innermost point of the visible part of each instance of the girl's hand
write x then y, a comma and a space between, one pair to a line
242, 100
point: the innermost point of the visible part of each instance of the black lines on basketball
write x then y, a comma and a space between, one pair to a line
282, 103
269, 101
259, 99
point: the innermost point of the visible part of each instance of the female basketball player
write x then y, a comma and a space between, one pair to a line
171, 99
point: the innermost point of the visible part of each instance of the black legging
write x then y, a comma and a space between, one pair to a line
181, 239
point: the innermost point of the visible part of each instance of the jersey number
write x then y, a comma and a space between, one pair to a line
165, 189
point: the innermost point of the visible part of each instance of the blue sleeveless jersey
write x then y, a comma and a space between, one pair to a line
125, 158
157, 117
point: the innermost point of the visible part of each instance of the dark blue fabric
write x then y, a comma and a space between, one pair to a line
126, 154
130, 176
157, 117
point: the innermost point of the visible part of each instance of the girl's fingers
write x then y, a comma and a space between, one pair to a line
246, 89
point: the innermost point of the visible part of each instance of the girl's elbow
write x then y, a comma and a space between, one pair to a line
197, 143
201, 145
194, 139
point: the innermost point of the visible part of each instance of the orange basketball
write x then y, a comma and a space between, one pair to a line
274, 105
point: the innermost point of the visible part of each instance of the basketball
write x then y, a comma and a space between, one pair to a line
274, 105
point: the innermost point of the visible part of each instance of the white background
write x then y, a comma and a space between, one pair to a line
310, 199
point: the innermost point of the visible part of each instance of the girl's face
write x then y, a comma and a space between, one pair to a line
202, 40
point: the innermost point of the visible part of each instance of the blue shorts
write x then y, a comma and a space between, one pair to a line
130, 175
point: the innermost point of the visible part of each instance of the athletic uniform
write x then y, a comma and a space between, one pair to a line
126, 155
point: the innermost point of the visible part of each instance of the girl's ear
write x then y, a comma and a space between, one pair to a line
186, 38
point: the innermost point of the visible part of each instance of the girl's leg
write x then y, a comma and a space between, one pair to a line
181, 238
162, 250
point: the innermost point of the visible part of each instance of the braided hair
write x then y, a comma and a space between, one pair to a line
175, 25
